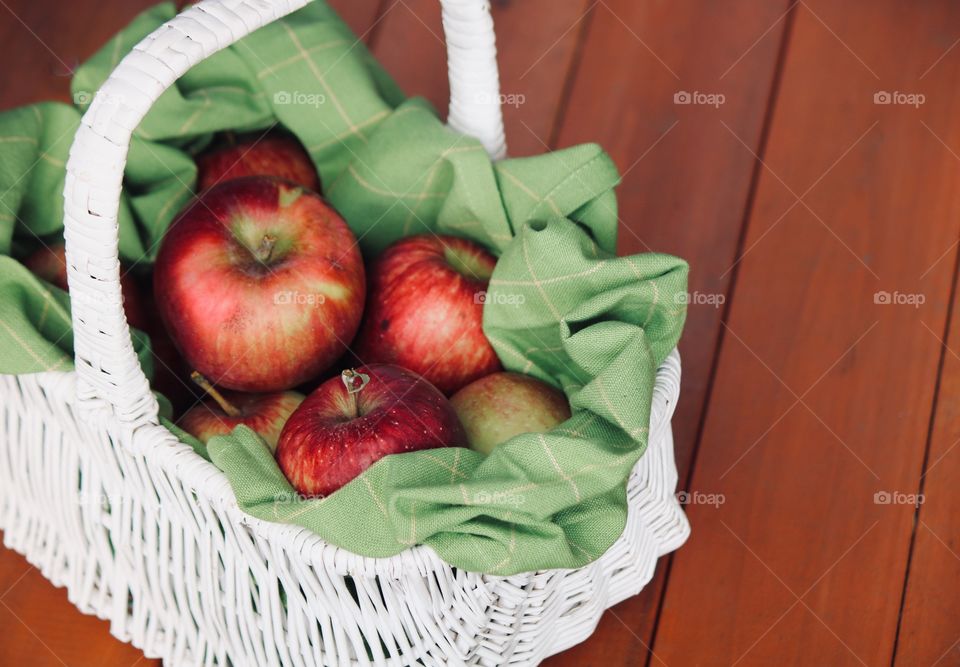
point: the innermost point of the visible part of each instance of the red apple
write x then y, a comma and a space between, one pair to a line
352, 421
260, 284
50, 264
264, 414
425, 310
501, 405
276, 154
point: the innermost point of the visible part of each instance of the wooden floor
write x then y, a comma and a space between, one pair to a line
821, 386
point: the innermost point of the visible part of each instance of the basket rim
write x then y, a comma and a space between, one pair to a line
159, 447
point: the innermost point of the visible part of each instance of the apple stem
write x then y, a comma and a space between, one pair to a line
225, 405
354, 382
265, 250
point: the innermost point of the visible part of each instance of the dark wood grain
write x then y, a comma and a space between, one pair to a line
822, 397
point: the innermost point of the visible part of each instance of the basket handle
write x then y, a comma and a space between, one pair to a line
109, 374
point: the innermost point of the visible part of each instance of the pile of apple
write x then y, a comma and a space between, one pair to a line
262, 289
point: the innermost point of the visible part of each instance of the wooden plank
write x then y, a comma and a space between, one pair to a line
822, 397
537, 41
686, 178
41, 628
930, 624
686, 186
929, 632
361, 15
44, 44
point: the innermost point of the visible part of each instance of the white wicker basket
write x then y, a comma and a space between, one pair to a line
148, 535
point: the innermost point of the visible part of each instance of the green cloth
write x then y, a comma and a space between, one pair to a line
560, 306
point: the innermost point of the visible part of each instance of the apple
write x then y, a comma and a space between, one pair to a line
260, 284
501, 405
274, 154
50, 263
352, 421
264, 414
425, 310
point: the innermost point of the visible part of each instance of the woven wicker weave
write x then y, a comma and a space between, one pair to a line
146, 534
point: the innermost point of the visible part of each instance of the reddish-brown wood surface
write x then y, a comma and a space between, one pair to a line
929, 627
930, 622
823, 393
537, 42
796, 200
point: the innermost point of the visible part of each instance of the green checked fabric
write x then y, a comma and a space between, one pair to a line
561, 306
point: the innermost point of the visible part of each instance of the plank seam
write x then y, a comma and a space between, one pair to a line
921, 486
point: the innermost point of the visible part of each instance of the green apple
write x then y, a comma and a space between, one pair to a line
499, 406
